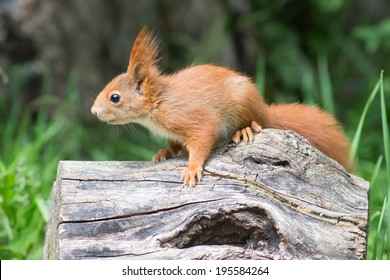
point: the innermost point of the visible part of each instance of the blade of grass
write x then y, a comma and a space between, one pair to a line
379, 229
307, 85
325, 84
260, 75
6, 224
386, 143
358, 133
385, 127
43, 208
374, 175
43, 113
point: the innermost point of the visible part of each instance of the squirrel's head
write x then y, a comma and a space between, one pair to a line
131, 95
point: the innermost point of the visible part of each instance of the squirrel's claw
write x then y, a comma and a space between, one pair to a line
162, 154
246, 133
256, 127
189, 175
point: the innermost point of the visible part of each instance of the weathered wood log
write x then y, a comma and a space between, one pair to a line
278, 198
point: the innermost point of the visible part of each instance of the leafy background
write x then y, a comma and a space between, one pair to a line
55, 56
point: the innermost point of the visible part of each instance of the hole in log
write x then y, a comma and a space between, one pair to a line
267, 161
247, 228
282, 163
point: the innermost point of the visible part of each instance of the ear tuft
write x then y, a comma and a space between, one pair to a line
144, 53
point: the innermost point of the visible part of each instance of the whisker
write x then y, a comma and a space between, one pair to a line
118, 132
91, 96
128, 129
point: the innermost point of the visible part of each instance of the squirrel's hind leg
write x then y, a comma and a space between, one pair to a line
172, 151
246, 133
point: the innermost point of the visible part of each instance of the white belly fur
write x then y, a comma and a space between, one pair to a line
160, 131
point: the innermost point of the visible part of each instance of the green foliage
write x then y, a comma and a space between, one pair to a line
359, 130
378, 241
374, 37
29, 156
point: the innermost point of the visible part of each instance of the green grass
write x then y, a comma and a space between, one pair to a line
32, 143
378, 241
359, 130
386, 143
325, 84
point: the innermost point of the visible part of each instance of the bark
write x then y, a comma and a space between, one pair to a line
278, 198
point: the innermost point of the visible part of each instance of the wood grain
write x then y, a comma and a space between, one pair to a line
278, 198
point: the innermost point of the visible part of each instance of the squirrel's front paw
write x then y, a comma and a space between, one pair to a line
189, 175
162, 154
246, 133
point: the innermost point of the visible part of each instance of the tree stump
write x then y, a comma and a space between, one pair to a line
277, 198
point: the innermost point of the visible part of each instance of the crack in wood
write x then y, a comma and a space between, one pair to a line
141, 180
140, 213
122, 255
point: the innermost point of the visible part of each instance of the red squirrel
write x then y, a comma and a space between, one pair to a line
202, 105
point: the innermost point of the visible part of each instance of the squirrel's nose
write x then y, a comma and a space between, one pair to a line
94, 111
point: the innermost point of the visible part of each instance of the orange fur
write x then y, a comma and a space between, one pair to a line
317, 126
200, 106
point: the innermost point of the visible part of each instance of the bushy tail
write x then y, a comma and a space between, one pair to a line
317, 126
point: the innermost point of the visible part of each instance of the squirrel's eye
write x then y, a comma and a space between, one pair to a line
115, 98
